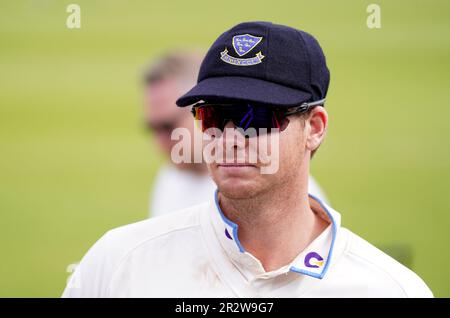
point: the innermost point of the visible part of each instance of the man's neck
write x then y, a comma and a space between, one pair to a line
275, 226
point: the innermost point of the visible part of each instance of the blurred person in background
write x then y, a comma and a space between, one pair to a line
178, 186
169, 76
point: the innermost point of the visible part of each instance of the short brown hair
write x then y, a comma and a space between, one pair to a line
174, 63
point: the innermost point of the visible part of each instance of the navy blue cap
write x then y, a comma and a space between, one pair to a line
264, 63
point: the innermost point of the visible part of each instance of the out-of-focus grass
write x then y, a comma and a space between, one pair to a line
74, 161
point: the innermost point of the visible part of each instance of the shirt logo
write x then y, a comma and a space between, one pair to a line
242, 45
313, 260
228, 234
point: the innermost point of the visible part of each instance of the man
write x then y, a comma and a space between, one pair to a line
167, 78
262, 235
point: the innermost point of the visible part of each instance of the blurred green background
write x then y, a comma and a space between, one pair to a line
75, 160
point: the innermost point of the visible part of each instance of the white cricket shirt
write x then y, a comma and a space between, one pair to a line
196, 253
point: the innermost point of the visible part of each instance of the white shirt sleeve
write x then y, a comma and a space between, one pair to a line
91, 276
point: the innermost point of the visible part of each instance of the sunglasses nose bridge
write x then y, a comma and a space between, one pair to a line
229, 123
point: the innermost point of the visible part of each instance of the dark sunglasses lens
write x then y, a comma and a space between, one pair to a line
279, 120
164, 127
209, 116
243, 116
265, 118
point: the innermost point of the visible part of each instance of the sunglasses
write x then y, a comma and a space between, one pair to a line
244, 115
161, 127
164, 126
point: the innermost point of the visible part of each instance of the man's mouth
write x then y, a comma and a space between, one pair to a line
238, 170
236, 165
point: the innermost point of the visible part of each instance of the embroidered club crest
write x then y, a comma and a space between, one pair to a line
245, 43
242, 45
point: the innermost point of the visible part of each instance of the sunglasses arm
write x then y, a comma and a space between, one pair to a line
303, 108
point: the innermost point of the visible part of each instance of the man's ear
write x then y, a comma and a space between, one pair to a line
316, 123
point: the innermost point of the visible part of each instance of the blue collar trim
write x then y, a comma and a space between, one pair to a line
233, 225
330, 253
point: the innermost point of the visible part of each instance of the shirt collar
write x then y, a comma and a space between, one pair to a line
313, 261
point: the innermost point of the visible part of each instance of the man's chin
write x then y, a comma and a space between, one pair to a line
234, 188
